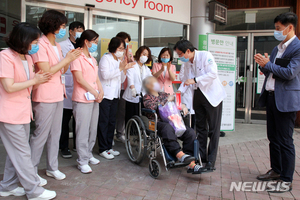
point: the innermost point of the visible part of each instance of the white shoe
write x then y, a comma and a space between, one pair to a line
85, 169
107, 155
46, 195
43, 181
121, 139
56, 174
19, 191
114, 152
94, 161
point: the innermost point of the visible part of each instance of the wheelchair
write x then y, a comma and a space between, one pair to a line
141, 141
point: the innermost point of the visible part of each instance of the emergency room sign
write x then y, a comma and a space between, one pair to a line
170, 10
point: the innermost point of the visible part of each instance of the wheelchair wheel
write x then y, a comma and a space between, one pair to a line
135, 138
154, 169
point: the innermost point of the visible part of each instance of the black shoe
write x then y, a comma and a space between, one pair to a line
222, 134
188, 159
65, 153
210, 166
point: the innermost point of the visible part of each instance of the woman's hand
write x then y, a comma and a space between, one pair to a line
73, 54
169, 66
133, 92
42, 77
100, 97
184, 109
171, 98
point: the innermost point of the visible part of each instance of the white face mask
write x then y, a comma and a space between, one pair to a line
77, 35
119, 54
143, 59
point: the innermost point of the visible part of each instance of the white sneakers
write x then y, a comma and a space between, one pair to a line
56, 174
94, 161
43, 181
110, 154
85, 169
19, 191
114, 152
46, 195
107, 155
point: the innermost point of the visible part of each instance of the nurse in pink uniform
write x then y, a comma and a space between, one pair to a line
17, 81
48, 98
164, 71
87, 95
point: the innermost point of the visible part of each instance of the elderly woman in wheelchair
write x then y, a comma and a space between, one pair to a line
154, 133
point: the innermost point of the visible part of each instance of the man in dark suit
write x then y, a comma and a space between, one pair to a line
281, 96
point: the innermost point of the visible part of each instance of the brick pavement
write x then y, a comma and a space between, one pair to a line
120, 179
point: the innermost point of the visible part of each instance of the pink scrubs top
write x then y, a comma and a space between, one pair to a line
52, 91
164, 81
90, 75
15, 108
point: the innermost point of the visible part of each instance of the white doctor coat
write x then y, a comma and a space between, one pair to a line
66, 46
110, 76
205, 69
135, 76
187, 92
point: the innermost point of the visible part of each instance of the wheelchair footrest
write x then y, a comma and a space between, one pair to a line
172, 164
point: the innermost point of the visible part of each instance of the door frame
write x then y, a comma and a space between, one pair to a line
251, 72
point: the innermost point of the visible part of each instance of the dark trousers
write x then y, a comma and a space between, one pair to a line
64, 137
107, 123
131, 110
120, 120
280, 128
207, 114
167, 133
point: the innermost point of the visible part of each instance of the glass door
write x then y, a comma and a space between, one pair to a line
263, 43
34, 11
242, 55
108, 25
249, 81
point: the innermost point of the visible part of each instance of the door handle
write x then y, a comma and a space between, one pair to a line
245, 74
254, 78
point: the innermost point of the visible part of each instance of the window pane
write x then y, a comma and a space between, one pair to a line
108, 27
10, 15
264, 20
34, 13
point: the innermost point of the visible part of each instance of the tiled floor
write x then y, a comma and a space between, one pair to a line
121, 179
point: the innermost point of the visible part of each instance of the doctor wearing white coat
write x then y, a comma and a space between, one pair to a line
135, 77
75, 30
209, 94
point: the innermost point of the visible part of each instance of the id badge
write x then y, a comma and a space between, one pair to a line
63, 79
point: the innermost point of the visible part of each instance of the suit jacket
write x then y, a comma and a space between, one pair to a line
287, 86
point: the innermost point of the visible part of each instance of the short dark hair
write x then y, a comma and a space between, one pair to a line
89, 35
184, 45
115, 43
287, 19
76, 24
124, 35
22, 35
140, 51
163, 51
51, 21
